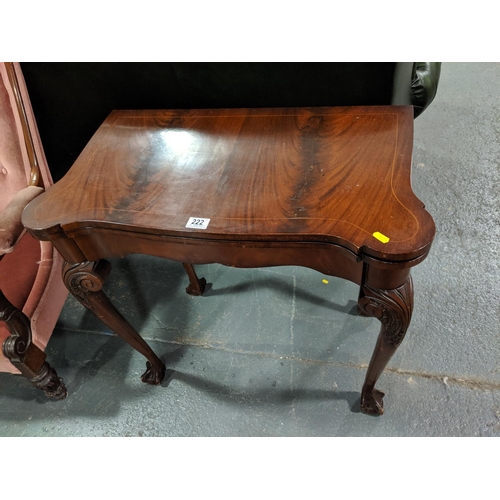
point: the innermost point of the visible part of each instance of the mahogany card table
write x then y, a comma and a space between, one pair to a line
328, 188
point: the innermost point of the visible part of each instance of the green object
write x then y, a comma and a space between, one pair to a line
424, 84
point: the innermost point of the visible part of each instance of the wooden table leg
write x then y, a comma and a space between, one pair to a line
196, 285
393, 308
26, 356
85, 281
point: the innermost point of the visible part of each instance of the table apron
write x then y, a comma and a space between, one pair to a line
329, 259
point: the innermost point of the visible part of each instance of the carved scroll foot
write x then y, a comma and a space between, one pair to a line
196, 285
393, 308
26, 356
85, 281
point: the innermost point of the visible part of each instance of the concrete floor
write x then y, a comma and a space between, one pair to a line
277, 352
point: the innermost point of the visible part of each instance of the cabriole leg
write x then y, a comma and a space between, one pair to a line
393, 308
85, 281
26, 356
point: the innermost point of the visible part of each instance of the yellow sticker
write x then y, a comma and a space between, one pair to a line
325, 282
381, 237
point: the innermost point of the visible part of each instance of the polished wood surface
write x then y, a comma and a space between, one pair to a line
332, 175
326, 188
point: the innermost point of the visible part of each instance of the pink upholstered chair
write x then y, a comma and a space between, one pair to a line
32, 293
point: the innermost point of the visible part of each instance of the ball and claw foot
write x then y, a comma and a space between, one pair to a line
372, 402
153, 375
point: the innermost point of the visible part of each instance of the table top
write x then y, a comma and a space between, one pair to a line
338, 175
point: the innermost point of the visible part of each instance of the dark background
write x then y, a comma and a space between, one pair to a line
71, 100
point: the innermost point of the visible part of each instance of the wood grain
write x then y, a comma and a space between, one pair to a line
332, 175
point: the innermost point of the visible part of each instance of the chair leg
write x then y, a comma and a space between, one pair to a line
196, 285
26, 356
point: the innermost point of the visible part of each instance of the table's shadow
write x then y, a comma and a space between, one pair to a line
281, 286
261, 397
110, 347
